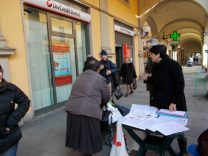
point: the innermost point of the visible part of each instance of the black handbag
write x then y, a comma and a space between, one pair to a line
118, 93
105, 116
104, 123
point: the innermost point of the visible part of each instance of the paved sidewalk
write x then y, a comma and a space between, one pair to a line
45, 135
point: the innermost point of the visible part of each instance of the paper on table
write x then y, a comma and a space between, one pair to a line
168, 128
134, 122
142, 123
181, 121
153, 111
151, 122
139, 106
178, 113
138, 113
144, 110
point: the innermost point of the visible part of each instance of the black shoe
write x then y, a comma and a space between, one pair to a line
131, 92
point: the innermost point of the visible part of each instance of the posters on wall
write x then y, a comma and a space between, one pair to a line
127, 51
62, 65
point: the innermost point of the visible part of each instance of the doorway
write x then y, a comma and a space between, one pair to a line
119, 57
51, 58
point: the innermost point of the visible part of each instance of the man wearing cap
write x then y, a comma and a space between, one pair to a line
107, 68
10, 133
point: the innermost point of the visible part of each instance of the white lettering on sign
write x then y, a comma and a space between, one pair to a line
59, 8
123, 30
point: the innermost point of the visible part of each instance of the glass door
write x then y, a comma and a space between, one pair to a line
63, 54
39, 59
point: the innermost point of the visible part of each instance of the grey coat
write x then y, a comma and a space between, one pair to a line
87, 95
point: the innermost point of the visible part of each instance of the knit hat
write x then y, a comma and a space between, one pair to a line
103, 52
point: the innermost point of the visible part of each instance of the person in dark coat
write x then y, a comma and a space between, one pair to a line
128, 75
84, 111
148, 69
168, 80
10, 133
107, 69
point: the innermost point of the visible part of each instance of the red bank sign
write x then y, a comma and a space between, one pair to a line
59, 8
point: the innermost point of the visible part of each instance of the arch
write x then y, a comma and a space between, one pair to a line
153, 26
190, 35
190, 30
200, 3
183, 22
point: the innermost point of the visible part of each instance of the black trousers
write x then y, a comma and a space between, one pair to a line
152, 94
182, 143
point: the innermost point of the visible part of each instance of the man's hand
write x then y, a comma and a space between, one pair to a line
7, 129
172, 107
108, 72
101, 67
146, 75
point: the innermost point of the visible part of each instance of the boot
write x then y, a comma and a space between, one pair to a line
182, 143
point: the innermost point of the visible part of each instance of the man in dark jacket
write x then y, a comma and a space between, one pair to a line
168, 80
148, 68
107, 69
10, 133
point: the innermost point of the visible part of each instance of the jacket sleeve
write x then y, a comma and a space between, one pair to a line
149, 80
148, 67
23, 104
178, 82
105, 93
112, 67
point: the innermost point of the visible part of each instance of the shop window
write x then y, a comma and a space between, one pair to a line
39, 59
61, 26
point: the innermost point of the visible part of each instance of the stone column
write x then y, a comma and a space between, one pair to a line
205, 48
104, 19
5, 52
140, 55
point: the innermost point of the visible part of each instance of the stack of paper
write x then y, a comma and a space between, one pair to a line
143, 110
134, 122
178, 120
175, 113
168, 128
146, 117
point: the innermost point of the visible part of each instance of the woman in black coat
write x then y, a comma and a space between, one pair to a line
168, 80
10, 133
128, 75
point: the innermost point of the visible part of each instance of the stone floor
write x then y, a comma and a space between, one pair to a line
45, 134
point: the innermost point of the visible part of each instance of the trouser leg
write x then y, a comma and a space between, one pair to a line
182, 143
11, 151
127, 90
131, 88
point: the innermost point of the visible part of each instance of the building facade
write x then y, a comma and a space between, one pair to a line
44, 43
